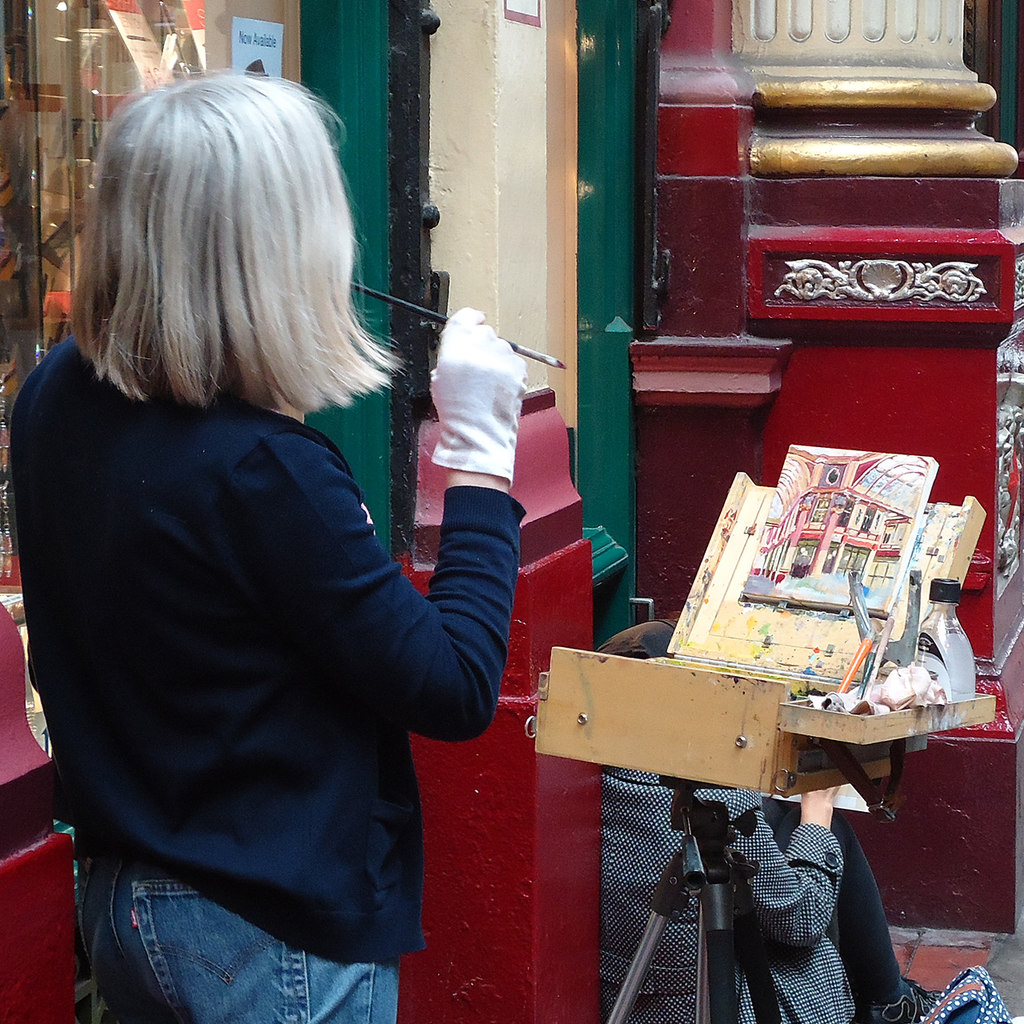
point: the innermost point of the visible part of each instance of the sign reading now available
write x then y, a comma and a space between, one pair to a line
257, 46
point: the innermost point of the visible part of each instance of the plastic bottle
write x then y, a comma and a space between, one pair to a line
943, 646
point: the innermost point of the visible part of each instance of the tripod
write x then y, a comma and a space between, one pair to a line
706, 866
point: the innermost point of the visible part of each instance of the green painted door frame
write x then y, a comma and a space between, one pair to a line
1008, 85
607, 301
345, 61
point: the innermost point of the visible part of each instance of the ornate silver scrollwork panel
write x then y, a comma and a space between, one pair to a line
881, 280
1009, 462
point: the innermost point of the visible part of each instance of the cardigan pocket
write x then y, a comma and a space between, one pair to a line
388, 823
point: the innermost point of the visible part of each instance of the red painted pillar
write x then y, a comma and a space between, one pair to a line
36, 879
868, 311
512, 838
703, 381
935, 373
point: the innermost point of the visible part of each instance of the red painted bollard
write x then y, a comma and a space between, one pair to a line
37, 973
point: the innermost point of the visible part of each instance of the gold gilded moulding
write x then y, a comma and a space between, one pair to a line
873, 93
807, 158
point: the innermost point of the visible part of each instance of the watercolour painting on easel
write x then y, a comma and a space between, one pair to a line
835, 512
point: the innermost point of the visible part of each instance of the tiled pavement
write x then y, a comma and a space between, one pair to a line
933, 958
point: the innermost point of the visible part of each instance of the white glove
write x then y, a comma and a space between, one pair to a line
477, 387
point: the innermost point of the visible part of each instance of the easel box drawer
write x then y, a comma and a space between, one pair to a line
660, 716
721, 728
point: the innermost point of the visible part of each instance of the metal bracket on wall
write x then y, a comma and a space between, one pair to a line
652, 263
647, 603
412, 217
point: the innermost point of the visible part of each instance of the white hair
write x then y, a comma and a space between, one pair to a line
217, 254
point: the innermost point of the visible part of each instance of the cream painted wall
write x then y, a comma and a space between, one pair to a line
502, 173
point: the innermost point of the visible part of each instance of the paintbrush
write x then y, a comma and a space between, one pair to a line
871, 671
858, 660
440, 318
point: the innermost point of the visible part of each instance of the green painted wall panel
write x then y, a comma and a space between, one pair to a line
345, 61
606, 159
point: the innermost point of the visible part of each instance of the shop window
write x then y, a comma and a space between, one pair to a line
804, 558
881, 570
67, 65
853, 559
821, 507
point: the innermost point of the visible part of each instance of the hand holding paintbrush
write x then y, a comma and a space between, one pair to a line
439, 318
477, 387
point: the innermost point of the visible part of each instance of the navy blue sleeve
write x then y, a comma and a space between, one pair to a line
305, 545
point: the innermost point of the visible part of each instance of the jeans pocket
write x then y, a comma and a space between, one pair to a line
212, 962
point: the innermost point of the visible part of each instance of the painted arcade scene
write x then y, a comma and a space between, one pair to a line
837, 512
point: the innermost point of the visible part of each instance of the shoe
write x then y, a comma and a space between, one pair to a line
911, 1007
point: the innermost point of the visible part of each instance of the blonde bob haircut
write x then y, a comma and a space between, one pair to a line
217, 252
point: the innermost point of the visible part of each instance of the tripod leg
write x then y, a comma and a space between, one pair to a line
702, 1009
716, 905
669, 900
656, 925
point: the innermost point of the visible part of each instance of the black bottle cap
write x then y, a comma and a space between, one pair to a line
945, 590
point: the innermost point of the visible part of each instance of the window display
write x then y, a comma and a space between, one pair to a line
67, 65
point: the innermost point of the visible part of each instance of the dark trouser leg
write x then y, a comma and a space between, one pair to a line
864, 942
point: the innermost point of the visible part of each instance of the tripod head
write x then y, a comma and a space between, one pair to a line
708, 835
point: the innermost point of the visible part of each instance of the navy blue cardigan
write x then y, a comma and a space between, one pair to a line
230, 663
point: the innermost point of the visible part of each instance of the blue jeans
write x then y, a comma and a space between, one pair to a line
163, 954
